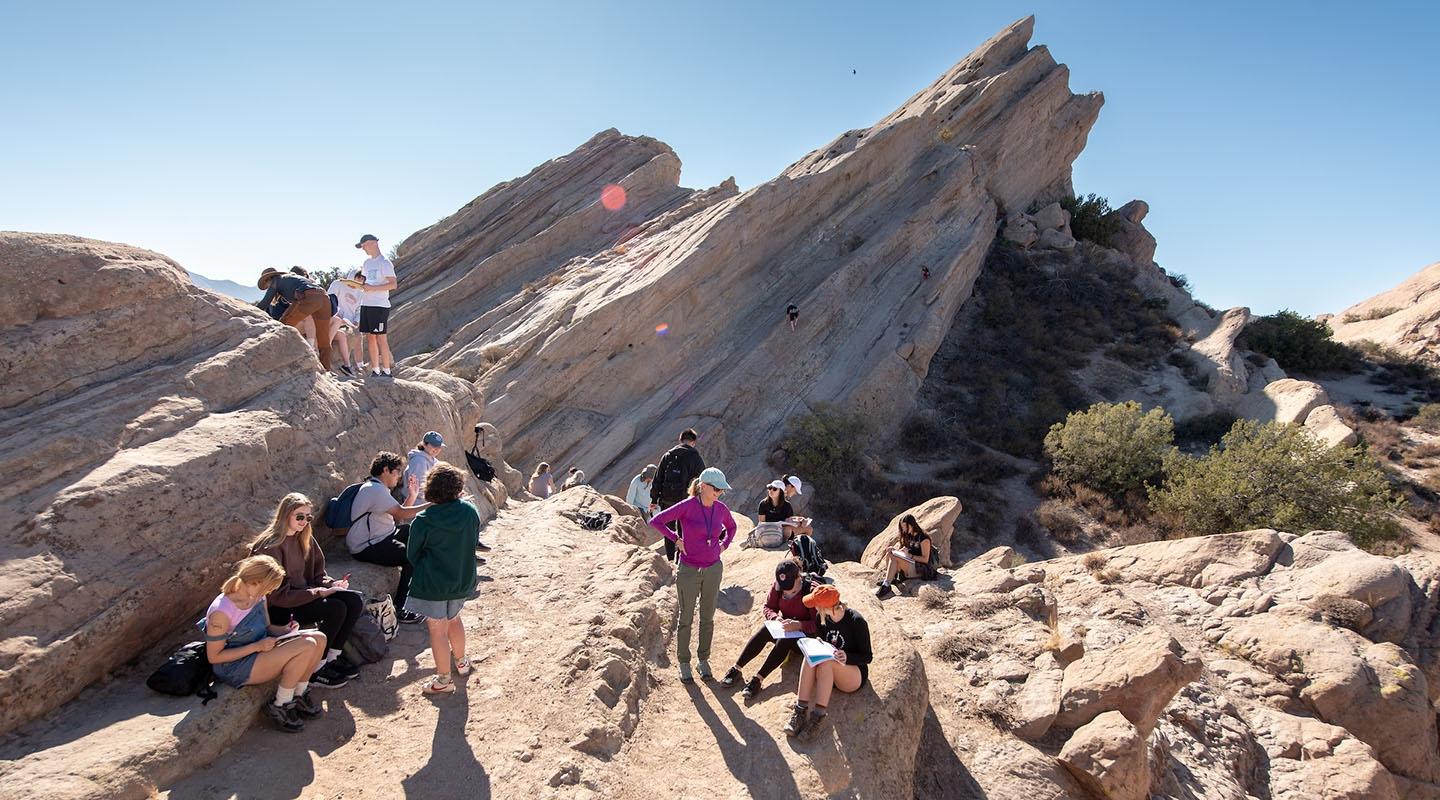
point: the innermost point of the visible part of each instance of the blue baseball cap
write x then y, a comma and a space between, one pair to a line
715, 478
434, 438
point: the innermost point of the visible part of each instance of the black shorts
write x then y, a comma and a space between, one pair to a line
374, 319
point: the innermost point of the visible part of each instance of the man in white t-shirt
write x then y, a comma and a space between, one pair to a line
375, 305
347, 319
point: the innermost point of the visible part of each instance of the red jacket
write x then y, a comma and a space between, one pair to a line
778, 607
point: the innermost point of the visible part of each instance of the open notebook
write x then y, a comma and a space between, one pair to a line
777, 630
816, 651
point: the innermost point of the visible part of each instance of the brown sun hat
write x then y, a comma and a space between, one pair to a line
267, 276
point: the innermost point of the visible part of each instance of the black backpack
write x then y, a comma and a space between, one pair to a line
804, 548
479, 466
338, 511
187, 671
670, 478
594, 520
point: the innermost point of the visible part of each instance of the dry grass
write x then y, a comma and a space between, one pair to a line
933, 597
491, 354
987, 605
955, 646
1065, 526
1343, 612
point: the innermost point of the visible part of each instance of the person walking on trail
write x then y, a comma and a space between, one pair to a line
847, 632
792, 313
381, 526
244, 649
639, 492
442, 548
677, 469
784, 606
307, 301
380, 281
706, 530
345, 295
309, 595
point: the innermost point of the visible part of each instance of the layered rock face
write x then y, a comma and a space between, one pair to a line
1406, 318
670, 312
147, 430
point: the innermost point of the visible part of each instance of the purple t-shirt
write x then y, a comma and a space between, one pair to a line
706, 532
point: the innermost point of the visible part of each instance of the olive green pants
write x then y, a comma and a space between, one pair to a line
692, 584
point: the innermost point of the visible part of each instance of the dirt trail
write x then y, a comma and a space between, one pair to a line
564, 621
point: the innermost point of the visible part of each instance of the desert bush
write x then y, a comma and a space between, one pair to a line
1427, 418
1090, 218
1374, 313
1204, 431
1299, 343
954, 646
933, 597
923, 434
492, 353
1180, 281
824, 445
1112, 447
1398, 372
1269, 475
1064, 525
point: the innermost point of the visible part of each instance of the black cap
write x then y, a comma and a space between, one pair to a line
369, 237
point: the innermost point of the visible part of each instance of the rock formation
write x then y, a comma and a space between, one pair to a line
1405, 318
147, 429
597, 335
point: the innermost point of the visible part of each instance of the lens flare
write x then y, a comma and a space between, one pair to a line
662, 329
612, 197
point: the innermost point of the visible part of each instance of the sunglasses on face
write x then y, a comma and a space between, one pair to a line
304, 517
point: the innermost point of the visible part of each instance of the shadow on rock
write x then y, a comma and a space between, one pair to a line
753, 758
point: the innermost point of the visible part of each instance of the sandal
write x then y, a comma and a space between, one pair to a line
439, 686
462, 667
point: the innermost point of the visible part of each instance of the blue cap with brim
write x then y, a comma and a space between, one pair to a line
715, 478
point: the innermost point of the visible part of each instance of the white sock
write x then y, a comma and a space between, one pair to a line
283, 695
386, 371
301, 688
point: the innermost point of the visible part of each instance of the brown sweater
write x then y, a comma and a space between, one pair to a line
304, 577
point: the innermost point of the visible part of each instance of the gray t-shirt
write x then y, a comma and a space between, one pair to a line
800, 503
374, 498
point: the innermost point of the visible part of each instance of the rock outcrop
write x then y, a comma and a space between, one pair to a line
683, 293
936, 517
147, 429
1405, 318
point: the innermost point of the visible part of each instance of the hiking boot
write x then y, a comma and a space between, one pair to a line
328, 678
752, 688
305, 706
884, 591
704, 669
799, 717
685, 675
731, 678
409, 617
814, 724
481, 547
282, 718
345, 667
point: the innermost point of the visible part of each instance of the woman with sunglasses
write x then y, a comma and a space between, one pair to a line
307, 595
706, 530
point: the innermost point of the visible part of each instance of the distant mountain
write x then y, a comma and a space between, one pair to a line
247, 293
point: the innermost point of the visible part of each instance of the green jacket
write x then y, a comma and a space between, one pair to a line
442, 550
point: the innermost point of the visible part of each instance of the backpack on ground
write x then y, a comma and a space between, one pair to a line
338, 512
594, 520
480, 467
367, 643
383, 612
768, 535
187, 671
804, 548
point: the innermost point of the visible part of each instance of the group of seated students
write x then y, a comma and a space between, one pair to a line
254, 628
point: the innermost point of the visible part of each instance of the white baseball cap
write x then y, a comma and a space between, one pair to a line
794, 481
776, 484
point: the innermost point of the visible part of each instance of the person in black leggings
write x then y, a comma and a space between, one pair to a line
308, 595
784, 605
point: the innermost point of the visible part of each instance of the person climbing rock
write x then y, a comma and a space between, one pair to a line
792, 313
380, 281
706, 530
678, 468
847, 632
307, 301
345, 295
784, 605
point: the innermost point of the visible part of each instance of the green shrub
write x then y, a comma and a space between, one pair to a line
1270, 475
1090, 218
825, 445
1374, 313
1299, 343
1204, 431
1427, 418
1112, 447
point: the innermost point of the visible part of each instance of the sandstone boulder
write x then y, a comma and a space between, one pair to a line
1200, 560
1325, 423
1310, 758
1020, 230
1220, 362
1056, 240
1132, 238
1107, 755
936, 516
1052, 217
1038, 701
1137, 678
1285, 400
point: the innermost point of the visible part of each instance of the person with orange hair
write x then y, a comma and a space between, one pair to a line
849, 634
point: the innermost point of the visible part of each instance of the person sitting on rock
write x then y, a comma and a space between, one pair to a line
576, 477
845, 630
915, 557
442, 548
380, 525
242, 648
799, 501
639, 492
785, 605
307, 301
542, 481
706, 530
308, 595
775, 508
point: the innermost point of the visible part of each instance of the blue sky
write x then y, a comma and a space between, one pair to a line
1287, 150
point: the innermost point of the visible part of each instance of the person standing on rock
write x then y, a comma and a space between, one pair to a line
380, 526
845, 630
243, 649
706, 530
917, 560
784, 605
792, 313
639, 492
380, 281
307, 301
307, 594
678, 468
542, 481
442, 545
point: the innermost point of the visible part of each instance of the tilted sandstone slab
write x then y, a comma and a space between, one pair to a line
1406, 318
682, 322
147, 429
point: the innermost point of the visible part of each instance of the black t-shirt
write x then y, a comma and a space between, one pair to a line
851, 634
770, 513
914, 547
792, 310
